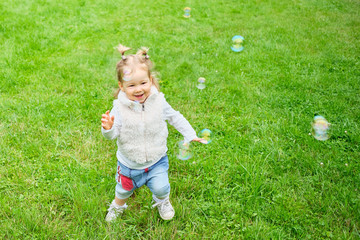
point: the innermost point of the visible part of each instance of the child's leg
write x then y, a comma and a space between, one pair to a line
158, 183
158, 179
119, 201
124, 185
118, 205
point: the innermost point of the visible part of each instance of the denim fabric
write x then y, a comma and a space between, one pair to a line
155, 177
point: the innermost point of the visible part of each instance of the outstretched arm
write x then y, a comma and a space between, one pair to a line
177, 120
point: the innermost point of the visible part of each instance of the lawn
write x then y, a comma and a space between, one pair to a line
263, 176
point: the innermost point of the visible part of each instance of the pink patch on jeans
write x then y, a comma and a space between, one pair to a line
126, 183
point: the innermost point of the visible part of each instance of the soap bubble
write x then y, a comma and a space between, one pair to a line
237, 42
187, 11
201, 84
126, 75
320, 127
184, 150
205, 134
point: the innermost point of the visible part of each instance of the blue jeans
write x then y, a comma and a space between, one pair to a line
155, 177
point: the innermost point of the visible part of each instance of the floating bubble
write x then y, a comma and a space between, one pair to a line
127, 75
205, 134
320, 127
187, 11
201, 84
184, 150
237, 42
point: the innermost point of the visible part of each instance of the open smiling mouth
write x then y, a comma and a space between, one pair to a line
139, 96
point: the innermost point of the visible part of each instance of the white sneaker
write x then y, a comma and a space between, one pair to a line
114, 211
166, 211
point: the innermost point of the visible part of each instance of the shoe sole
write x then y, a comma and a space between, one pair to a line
168, 218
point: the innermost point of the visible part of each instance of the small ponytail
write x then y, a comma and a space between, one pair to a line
143, 53
122, 49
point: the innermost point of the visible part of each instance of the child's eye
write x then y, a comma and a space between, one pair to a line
143, 83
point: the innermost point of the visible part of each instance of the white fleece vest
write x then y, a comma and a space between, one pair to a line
143, 133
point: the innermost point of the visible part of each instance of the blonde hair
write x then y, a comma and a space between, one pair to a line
130, 63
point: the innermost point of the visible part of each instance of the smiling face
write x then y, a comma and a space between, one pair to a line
139, 87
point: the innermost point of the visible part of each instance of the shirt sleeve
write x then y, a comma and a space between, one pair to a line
114, 132
180, 123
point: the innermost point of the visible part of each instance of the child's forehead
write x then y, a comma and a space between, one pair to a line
140, 73
137, 77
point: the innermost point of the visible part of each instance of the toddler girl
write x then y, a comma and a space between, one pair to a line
137, 121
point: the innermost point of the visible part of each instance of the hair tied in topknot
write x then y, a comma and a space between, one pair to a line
122, 49
143, 52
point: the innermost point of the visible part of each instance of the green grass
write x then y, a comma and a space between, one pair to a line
261, 176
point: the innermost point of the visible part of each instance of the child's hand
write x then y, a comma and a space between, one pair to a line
200, 140
107, 121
